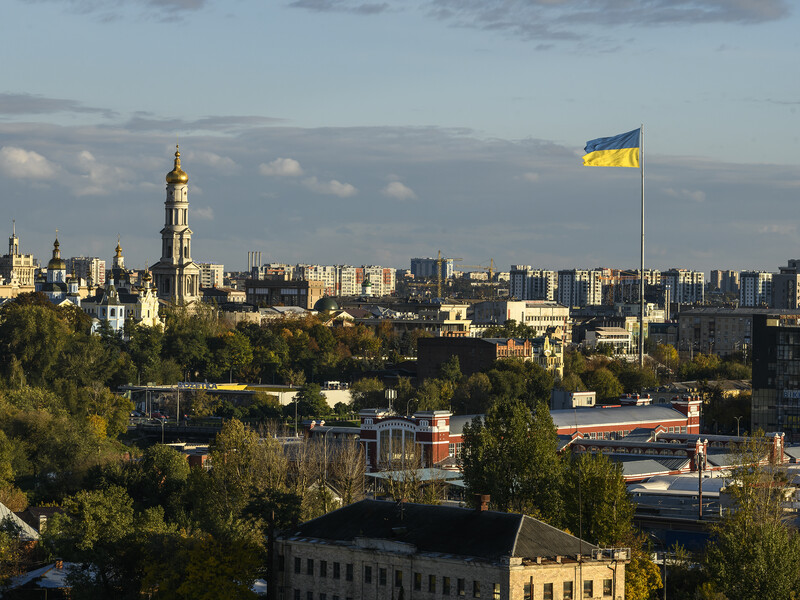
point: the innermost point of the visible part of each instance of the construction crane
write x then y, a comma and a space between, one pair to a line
439, 261
490, 269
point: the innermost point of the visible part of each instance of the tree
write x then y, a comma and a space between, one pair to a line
367, 392
604, 383
348, 467
597, 503
755, 553
232, 352
311, 401
243, 467
513, 456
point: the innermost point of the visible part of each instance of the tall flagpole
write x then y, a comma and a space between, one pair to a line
641, 254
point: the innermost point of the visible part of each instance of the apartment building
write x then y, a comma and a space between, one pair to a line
685, 286
755, 288
526, 283
578, 287
379, 550
211, 275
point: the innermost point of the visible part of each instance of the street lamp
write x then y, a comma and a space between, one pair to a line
737, 424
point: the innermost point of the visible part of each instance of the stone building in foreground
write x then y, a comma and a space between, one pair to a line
378, 550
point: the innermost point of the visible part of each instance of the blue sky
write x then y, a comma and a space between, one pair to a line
371, 131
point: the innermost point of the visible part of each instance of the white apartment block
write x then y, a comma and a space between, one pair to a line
526, 283
211, 275
89, 269
347, 280
577, 287
755, 288
538, 314
685, 286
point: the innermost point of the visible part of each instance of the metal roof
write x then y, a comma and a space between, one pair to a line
621, 416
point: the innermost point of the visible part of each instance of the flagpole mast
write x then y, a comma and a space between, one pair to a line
641, 255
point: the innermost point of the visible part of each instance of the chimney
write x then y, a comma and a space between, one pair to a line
482, 501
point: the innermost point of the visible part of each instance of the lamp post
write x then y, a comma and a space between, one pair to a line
162, 431
738, 419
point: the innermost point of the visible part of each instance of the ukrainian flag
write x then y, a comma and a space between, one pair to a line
617, 151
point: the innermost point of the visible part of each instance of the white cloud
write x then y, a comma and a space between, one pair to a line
25, 164
210, 159
399, 191
530, 176
281, 167
778, 228
693, 195
206, 214
97, 178
332, 187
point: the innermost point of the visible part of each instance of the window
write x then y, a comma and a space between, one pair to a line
348, 572
398, 578
323, 568
460, 585
281, 562
309, 566
297, 595
323, 597
476, 589
496, 591
431, 583
367, 574
568, 593
296, 564
528, 591
309, 595
588, 589
608, 587
336, 570
417, 581
547, 591
382, 576
445, 586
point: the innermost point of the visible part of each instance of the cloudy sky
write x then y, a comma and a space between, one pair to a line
371, 131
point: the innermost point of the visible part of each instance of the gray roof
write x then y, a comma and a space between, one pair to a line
27, 532
483, 535
619, 416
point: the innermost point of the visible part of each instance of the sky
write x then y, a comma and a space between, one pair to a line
373, 131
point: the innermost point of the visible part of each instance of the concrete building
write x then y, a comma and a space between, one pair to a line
786, 286
378, 550
176, 276
755, 289
541, 315
17, 268
776, 377
578, 287
725, 281
617, 337
564, 400
526, 283
265, 292
90, 269
427, 267
685, 286
211, 275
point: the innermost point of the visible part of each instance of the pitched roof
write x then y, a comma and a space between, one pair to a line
486, 535
27, 532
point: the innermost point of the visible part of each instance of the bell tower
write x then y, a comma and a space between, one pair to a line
176, 276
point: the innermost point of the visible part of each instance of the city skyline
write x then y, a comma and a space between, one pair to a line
325, 131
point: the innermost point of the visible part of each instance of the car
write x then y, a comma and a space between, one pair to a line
158, 415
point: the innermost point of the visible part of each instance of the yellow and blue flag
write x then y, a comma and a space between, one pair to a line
617, 151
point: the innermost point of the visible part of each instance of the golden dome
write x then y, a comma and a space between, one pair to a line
177, 175
56, 264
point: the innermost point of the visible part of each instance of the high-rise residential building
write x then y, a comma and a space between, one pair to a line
724, 281
17, 267
578, 287
526, 283
685, 286
755, 288
427, 267
776, 379
90, 269
211, 275
786, 286
176, 276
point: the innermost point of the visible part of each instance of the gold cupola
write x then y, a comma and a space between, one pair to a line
177, 175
